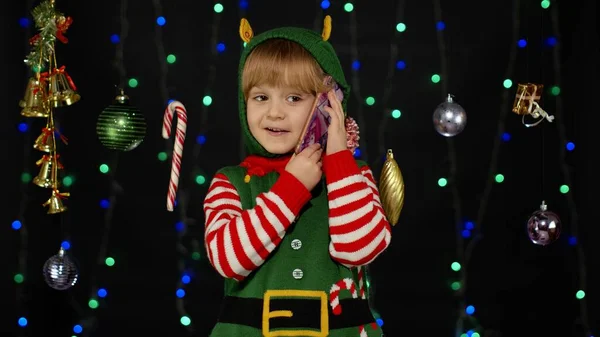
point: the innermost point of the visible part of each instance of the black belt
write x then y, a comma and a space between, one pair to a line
306, 313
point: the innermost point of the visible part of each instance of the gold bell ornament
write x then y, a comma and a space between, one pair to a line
527, 104
48, 176
45, 141
391, 188
63, 91
55, 204
34, 103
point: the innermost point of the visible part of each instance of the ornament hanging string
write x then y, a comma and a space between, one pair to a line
550, 119
173, 107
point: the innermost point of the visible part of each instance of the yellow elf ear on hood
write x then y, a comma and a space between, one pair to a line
246, 32
326, 28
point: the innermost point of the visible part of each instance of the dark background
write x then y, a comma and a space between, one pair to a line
517, 288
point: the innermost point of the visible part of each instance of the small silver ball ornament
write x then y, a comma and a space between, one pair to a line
449, 118
60, 272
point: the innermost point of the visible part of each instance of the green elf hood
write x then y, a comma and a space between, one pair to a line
316, 44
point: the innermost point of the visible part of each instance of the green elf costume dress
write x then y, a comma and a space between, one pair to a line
293, 259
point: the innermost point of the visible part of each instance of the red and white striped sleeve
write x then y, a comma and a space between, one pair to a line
358, 227
238, 241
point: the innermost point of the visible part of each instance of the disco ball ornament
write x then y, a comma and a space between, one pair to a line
449, 118
60, 272
543, 227
120, 126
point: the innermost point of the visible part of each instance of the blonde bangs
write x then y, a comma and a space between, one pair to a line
282, 63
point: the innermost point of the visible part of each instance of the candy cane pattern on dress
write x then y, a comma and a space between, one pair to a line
173, 107
348, 284
361, 283
334, 294
363, 294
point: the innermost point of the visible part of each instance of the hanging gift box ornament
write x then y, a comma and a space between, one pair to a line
543, 227
34, 103
55, 202
391, 188
527, 104
449, 118
48, 176
121, 126
63, 91
60, 272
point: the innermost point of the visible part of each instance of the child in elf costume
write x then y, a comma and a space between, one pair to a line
291, 233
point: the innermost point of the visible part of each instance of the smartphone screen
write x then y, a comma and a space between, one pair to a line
315, 130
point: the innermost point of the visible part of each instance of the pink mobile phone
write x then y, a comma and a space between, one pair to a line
315, 130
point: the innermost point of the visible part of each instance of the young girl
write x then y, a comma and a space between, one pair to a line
290, 233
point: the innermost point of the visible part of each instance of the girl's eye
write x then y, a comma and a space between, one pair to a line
293, 99
260, 98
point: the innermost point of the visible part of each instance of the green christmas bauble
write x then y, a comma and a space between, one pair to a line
121, 126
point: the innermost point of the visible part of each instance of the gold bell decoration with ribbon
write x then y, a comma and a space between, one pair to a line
63, 91
527, 104
391, 188
33, 103
55, 204
44, 142
46, 91
48, 176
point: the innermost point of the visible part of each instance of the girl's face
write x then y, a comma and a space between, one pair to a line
277, 115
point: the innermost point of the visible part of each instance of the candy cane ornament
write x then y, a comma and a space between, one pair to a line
173, 107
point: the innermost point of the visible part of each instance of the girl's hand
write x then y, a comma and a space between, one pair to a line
336, 133
306, 166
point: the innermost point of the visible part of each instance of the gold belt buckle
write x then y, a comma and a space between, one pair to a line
268, 314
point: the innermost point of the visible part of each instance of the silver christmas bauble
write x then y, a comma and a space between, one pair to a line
60, 272
543, 227
449, 118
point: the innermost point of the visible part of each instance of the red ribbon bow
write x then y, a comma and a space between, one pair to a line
62, 70
47, 132
62, 25
60, 195
47, 157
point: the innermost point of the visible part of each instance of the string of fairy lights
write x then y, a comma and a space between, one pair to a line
181, 201
20, 225
198, 176
583, 315
318, 22
97, 297
471, 231
361, 151
388, 90
190, 253
386, 114
452, 183
468, 233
